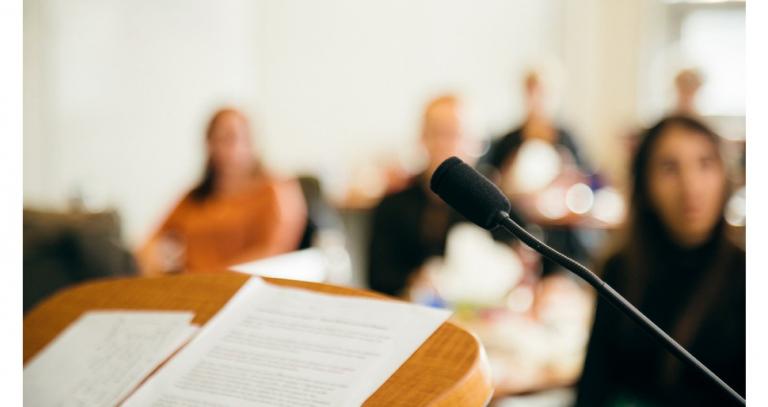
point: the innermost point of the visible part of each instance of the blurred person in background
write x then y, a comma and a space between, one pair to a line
540, 103
688, 82
410, 226
569, 167
238, 212
679, 268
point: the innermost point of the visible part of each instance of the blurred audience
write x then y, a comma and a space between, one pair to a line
677, 266
555, 152
410, 226
238, 212
540, 103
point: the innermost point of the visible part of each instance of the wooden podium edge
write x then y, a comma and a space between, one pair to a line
51, 316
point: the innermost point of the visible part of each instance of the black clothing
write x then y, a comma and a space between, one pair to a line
625, 365
408, 228
508, 145
561, 238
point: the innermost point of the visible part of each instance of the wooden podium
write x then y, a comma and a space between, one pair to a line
449, 369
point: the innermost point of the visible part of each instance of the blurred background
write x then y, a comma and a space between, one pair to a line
118, 96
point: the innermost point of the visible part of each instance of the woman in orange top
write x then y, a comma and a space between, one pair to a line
237, 213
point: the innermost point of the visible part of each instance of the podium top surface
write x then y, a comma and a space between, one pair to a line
449, 369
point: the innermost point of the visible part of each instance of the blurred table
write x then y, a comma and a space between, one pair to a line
449, 369
540, 349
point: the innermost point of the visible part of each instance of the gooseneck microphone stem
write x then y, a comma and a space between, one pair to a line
614, 298
482, 202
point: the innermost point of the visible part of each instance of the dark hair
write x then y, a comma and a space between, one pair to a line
644, 229
640, 205
643, 225
204, 189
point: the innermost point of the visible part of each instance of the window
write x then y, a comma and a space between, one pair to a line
712, 38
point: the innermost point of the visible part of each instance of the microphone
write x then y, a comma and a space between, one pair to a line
482, 202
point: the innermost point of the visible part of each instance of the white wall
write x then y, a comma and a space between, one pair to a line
117, 93
349, 79
609, 48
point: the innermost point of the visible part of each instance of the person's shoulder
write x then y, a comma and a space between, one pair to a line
411, 191
271, 183
567, 139
183, 209
501, 146
187, 200
406, 196
516, 133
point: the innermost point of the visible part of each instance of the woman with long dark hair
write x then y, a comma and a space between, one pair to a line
237, 212
678, 266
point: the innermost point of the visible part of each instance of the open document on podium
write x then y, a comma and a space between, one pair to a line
290, 347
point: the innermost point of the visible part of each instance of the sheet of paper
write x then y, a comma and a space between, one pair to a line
102, 356
304, 265
275, 346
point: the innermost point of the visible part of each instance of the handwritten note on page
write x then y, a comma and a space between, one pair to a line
275, 346
102, 356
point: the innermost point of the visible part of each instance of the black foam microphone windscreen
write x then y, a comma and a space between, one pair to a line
469, 192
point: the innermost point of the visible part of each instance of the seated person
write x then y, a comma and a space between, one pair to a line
679, 268
238, 212
411, 226
539, 95
538, 124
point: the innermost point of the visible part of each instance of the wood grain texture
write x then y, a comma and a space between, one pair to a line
449, 369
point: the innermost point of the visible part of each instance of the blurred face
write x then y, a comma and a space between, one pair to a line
534, 95
688, 83
443, 133
542, 98
686, 183
229, 145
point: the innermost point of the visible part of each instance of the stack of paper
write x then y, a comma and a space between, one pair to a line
274, 346
269, 346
